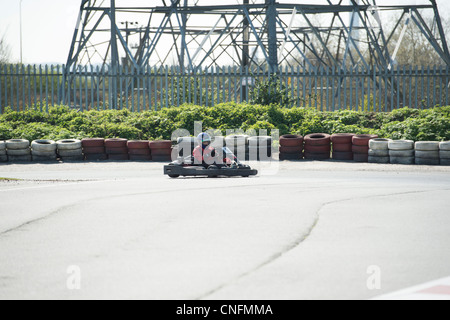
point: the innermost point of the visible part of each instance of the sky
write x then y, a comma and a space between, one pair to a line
48, 25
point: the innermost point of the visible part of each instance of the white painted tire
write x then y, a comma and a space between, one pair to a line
401, 160
444, 145
70, 153
427, 154
379, 144
68, 144
43, 153
374, 159
43, 145
427, 146
236, 141
15, 144
379, 152
19, 152
401, 153
401, 145
261, 141
427, 162
444, 154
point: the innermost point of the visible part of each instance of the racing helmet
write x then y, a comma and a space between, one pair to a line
204, 137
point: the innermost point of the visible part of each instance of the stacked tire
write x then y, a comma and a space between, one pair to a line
360, 147
139, 150
401, 151
259, 148
3, 155
185, 146
342, 146
18, 150
379, 150
116, 149
69, 150
161, 151
427, 153
94, 149
43, 150
238, 144
444, 153
317, 146
291, 147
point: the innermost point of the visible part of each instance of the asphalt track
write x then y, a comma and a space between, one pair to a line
303, 230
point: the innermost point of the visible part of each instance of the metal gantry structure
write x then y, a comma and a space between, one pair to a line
196, 34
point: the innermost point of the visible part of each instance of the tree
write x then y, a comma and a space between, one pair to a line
4, 51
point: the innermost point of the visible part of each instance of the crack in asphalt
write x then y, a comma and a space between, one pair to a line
300, 240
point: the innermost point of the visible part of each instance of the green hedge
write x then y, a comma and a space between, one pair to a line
61, 122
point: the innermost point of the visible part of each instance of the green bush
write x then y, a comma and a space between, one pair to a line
61, 122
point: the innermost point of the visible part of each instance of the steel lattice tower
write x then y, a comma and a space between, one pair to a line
193, 34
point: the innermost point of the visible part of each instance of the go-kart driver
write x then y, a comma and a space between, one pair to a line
206, 154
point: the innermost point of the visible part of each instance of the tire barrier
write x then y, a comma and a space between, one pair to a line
317, 146
401, 152
444, 153
342, 146
43, 150
259, 148
378, 150
161, 151
94, 149
18, 150
185, 146
3, 155
69, 150
427, 153
116, 149
238, 144
139, 150
360, 147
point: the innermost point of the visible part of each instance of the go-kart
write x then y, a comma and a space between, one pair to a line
189, 167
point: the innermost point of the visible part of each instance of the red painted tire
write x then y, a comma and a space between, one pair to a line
345, 156
291, 140
360, 149
342, 138
318, 149
120, 150
137, 157
139, 152
116, 143
363, 139
95, 156
93, 150
317, 139
291, 156
93, 142
118, 157
138, 144
360, 157
317, 156
158, 158
162, 144
342, 147
161, 152
290, 150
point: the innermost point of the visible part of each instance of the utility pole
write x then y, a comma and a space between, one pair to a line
272, 35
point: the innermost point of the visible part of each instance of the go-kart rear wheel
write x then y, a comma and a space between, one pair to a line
174, 176
212, 168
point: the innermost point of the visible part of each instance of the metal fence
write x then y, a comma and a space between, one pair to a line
154, 88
